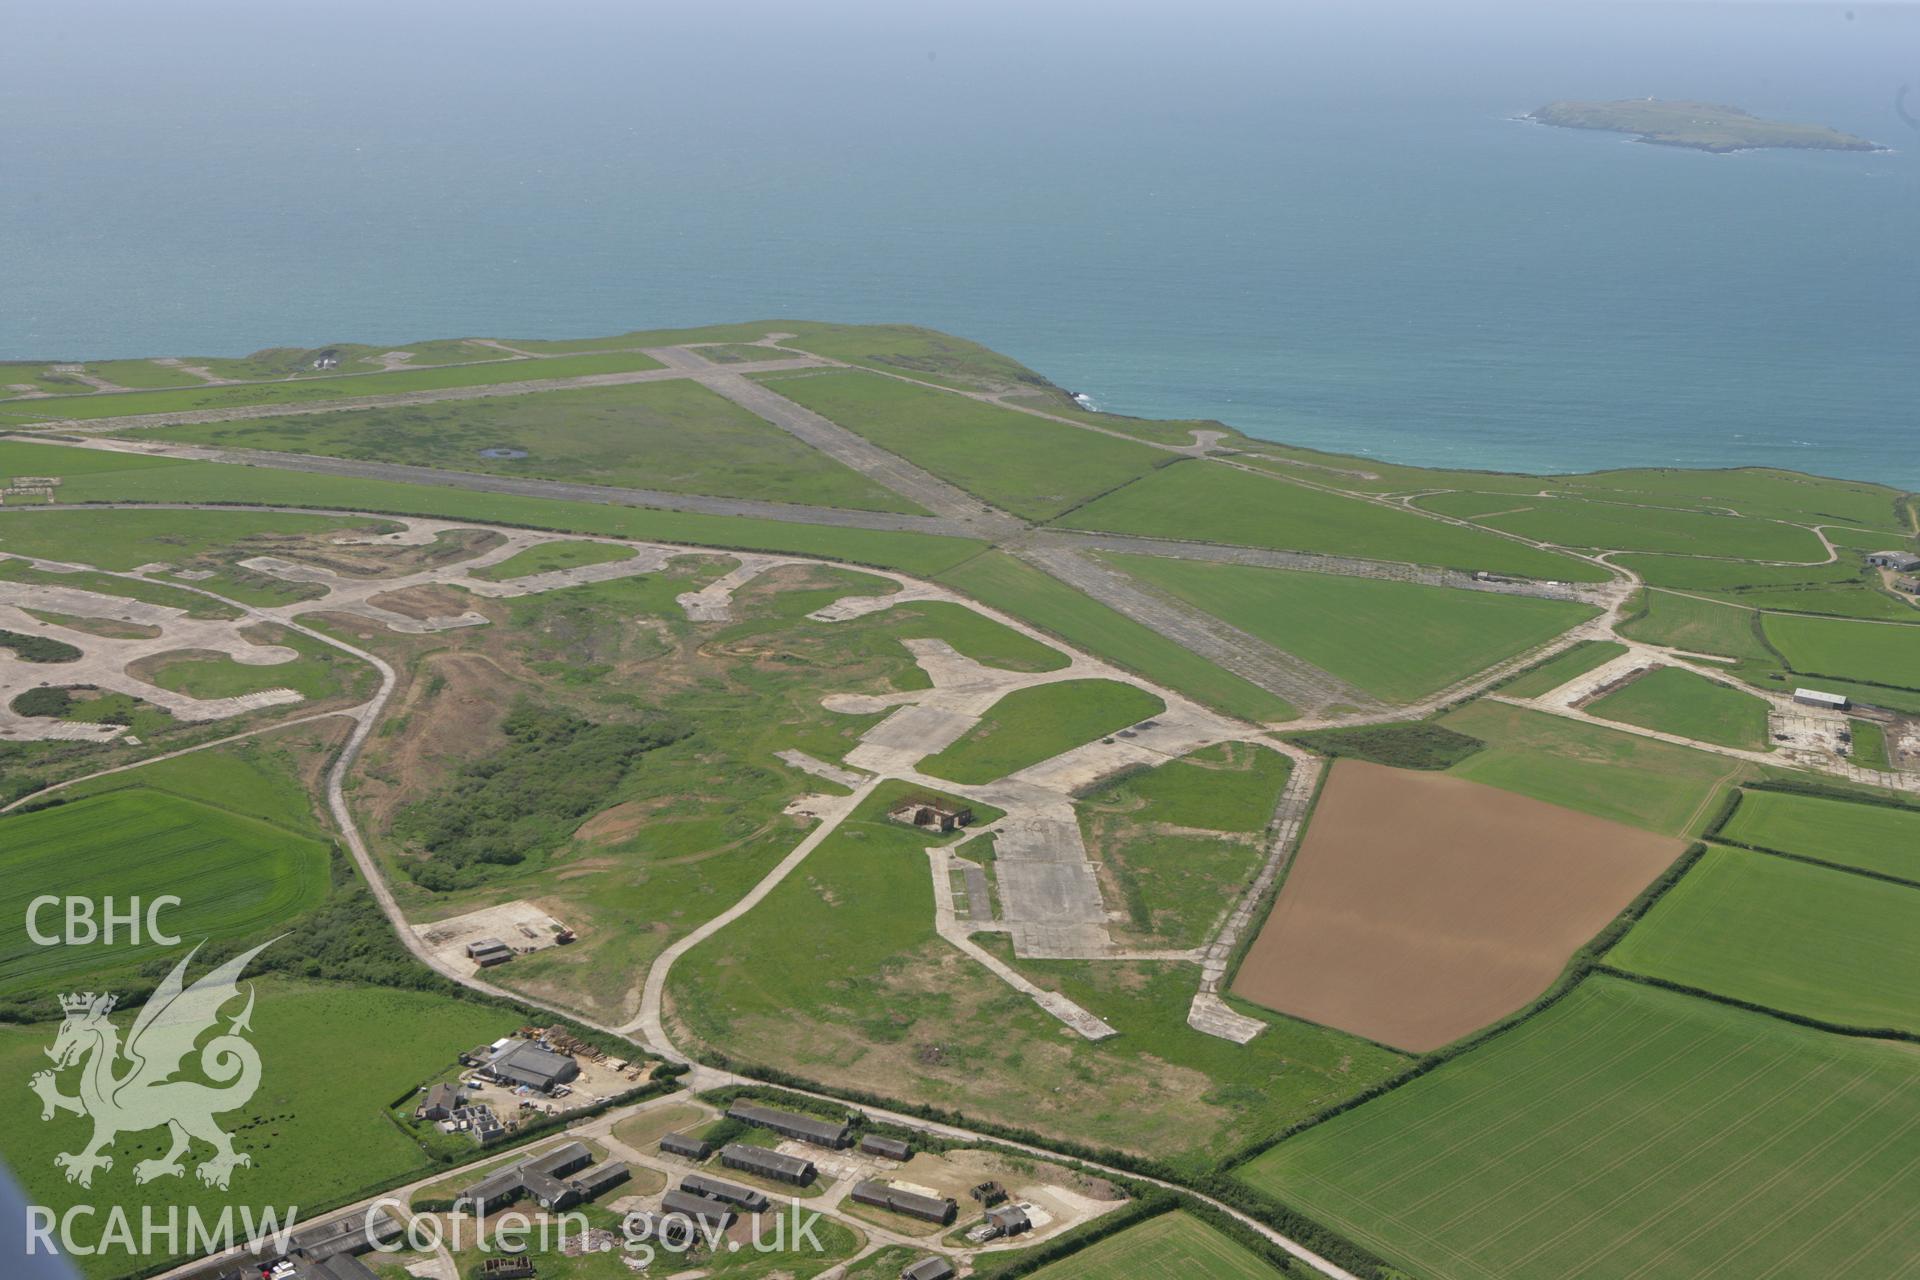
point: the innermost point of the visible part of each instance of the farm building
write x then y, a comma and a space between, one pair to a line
1898, 561
488, 952
698, 1208
1009, 1220
506, 1268
989, 1193
441, 1102
821, 1133
934, 1268
1820, 698
523, 1062
354, 1234
932, 813
768, 1164
549, 1180
679, 1144
600, 1179
886, 1148
548, 1191
719, 1189
495, 1191
884, 1196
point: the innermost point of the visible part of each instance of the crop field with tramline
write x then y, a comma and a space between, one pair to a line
233, 875
1872, 837
1172, 1246
1628, 1133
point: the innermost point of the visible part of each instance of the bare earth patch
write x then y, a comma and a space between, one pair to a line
1422, 907
430, 600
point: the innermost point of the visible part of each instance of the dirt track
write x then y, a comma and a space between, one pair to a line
1423, 907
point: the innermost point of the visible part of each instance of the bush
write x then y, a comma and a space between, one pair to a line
38, 648
54, 702
555, 770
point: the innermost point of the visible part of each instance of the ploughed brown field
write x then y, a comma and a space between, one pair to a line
1422, 907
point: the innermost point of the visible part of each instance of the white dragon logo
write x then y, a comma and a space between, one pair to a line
146, 1096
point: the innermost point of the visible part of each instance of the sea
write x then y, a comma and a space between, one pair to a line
1320, 224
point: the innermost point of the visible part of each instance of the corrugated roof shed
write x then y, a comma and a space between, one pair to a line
881, 1195
679, 1144
697, 1207
732, 1192
887, 1148
599, 1178
823, 1133
771, 1164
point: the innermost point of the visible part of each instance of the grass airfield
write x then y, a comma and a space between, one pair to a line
663, 676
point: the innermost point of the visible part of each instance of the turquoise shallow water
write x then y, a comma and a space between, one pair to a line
1318, 226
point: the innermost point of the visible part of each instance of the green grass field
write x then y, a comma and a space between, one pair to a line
1609, 526
1035, 724
1752, 491
1699, 626
1827, 944
315, 390
234, 874
974, 635
673, 436
1173, 1246
1231, 787
1839, 600
1396, 640
546, 557
915, 352
1027, 465
1558, 670
1870, 836
1611, 774
1869, 744
1674, 700
1874, 652
1689, 573
1018, 588
1627, 1133
1196, 500
142, 375
317, 1134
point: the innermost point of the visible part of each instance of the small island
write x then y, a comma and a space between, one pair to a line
1700, 126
